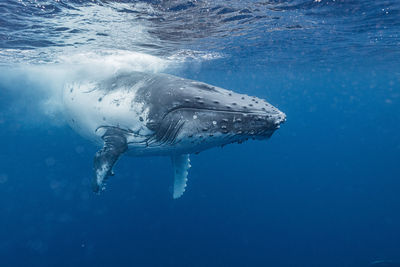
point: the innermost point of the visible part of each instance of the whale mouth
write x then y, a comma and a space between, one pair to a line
229, 111
276, 116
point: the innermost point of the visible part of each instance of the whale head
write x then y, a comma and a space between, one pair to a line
189, 116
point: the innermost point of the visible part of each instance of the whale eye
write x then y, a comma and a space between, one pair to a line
204, 86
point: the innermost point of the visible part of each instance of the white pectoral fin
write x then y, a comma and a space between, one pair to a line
115, 145
181, 165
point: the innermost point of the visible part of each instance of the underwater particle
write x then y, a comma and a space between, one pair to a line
37, 246
79, 149
3, 178
50, 161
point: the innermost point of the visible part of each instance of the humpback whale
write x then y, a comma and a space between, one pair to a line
145, 114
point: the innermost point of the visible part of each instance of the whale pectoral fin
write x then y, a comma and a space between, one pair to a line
181, 165
115, 145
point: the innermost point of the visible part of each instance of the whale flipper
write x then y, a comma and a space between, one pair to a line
115, 145
181, 165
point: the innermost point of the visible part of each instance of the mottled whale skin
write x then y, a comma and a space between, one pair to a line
145, 114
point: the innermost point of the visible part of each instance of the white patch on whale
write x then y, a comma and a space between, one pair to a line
86, 104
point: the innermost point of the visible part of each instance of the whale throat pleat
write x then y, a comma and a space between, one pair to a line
181, 165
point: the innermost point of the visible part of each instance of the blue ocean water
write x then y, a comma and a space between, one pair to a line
323, 191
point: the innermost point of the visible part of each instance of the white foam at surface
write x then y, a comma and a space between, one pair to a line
38, 88
111, 61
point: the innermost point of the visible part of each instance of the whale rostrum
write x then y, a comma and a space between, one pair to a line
145, 114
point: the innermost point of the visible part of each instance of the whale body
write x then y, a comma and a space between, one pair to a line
145, 114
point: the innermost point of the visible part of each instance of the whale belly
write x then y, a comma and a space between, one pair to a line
89, 110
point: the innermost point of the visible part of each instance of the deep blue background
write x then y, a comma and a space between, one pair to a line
323, 191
